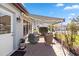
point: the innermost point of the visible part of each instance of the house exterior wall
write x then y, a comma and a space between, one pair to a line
28, 21
17, 29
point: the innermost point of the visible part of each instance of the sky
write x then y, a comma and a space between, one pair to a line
59, 10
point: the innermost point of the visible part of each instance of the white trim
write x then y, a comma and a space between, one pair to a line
5, 11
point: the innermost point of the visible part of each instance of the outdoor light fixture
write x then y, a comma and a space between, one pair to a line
18, 19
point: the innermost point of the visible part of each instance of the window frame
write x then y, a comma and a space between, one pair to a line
4, 11
26, 29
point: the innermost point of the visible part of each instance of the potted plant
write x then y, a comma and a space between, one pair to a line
32, 38
22, 44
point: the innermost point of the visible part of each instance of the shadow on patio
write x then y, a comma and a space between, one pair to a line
39, 49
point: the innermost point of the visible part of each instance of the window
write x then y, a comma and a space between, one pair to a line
25, 27
5, 24
30, 26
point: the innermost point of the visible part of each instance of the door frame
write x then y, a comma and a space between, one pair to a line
4, 10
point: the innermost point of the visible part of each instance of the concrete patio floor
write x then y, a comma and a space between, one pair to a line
40, 49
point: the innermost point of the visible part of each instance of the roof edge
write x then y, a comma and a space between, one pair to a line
21, 7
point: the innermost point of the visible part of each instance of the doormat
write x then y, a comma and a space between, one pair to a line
18, 53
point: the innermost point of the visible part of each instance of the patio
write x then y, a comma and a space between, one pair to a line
40, 49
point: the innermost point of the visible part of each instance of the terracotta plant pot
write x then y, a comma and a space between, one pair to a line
48, 38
